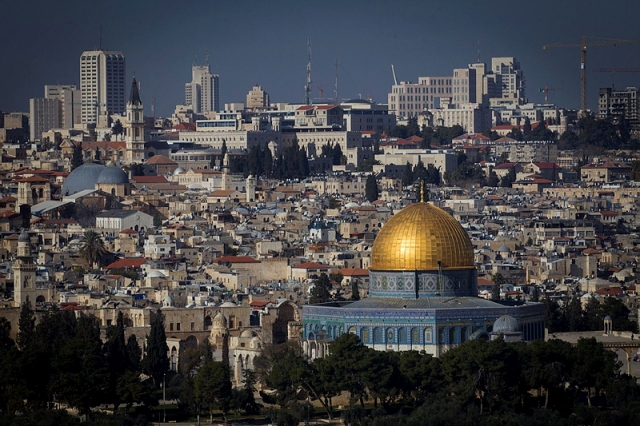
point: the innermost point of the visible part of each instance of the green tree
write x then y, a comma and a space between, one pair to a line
134, 354
371, 188
77, 159
115, 352
498, 281
213, 388
516, 134
412, 127
156, 362
526, 128
509, 178
355, 291
117, 129
407, 175
80, 373
26, 325
493, 180
619, 314
321, 291
246, 399
593, 367
92, 248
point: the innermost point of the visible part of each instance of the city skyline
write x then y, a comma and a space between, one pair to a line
258, 43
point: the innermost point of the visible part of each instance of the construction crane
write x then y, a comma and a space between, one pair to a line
395, 80
546, 89
613, 71
583, 60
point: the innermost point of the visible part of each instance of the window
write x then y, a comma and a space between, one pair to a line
364, 335
178, 326
171, 327
193, 326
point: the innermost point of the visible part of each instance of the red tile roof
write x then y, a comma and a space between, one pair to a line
34, 179
222, 193
161, 159
129, 231
311, 265
127, 262
354, 272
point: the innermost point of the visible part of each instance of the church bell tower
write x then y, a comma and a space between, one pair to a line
135, 126
24, 273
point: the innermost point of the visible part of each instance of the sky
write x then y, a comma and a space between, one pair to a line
264, 42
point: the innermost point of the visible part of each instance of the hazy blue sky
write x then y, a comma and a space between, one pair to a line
264, 42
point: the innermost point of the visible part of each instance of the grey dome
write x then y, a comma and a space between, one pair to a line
506, 324
178, 171
113, 175
24, 238
504, 249
84, 177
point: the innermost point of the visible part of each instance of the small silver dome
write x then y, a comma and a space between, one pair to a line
506, 324
178, 171
24, 238
113, 175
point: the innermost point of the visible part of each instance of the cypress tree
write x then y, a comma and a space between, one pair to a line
156, 362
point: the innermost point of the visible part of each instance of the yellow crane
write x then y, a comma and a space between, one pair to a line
583, 60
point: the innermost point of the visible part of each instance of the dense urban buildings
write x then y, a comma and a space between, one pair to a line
443, 225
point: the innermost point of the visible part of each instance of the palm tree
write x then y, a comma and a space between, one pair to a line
92, 248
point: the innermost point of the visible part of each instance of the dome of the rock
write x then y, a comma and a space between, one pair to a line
422, 237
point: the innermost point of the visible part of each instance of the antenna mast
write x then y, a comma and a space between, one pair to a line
100, 31
336, 88
307, 87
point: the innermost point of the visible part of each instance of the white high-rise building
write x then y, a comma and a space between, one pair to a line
202, 93
102, 84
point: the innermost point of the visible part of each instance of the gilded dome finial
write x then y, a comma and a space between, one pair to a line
422, 190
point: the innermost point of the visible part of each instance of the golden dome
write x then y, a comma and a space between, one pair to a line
418, 237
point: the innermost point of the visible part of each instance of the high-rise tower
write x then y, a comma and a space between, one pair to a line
202, 93
102, 84
135, 125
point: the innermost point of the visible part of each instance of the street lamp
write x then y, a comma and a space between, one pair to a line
164, 397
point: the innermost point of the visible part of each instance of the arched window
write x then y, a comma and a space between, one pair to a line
377, 335
415, 336
402, 335
452, 335
464, 334
352, 330
364, 335
389, 335
441, 335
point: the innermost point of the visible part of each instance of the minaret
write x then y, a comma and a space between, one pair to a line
135, 126
24, 273
251, 189
226, 176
